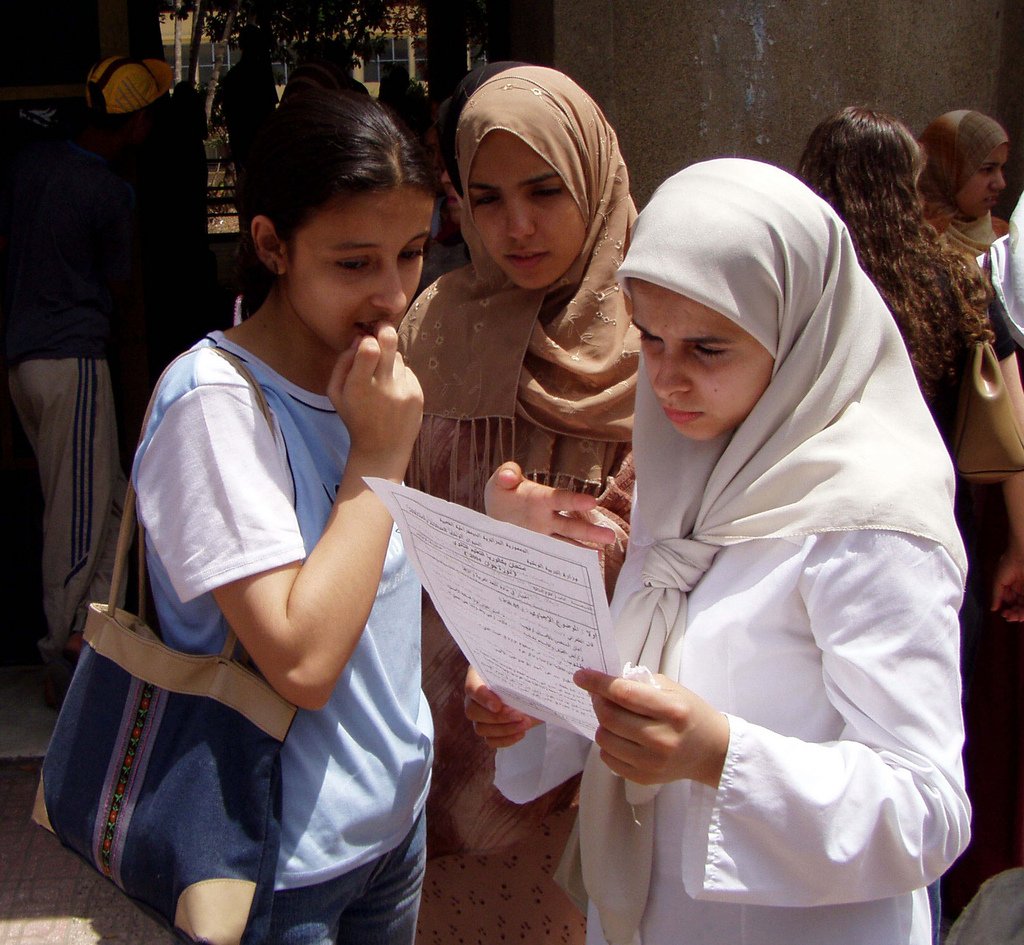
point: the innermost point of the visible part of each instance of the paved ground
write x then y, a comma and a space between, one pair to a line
47, 895
25, 720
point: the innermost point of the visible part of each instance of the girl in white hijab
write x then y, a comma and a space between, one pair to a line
794, 575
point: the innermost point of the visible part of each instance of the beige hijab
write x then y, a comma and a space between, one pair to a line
546, 377
841, 439
956, 145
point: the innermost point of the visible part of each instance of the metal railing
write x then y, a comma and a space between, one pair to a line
221, 209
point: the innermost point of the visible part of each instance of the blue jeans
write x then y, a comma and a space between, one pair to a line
374, 904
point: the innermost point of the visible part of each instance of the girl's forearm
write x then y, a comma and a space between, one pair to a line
301, 623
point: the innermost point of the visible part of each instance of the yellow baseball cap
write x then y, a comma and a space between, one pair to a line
119, 85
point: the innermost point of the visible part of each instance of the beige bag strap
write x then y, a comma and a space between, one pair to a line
129, 519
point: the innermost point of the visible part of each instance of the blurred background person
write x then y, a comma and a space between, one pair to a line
248, 93
66, 221
184, 305
965, 154
447, 249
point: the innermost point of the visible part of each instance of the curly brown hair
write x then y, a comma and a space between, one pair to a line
866, 164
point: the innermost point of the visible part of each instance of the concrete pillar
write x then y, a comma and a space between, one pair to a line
684, 80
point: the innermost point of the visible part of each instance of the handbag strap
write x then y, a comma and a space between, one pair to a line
129, 519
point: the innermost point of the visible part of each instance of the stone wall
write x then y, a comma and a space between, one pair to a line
683, 80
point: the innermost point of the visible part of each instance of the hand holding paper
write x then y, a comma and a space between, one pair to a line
496, 723
527, 610
511, 497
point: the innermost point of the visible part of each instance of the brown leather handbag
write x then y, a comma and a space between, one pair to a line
987, 442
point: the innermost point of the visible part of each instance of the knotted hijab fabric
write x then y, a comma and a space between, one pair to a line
542, 376
956, 145
840, 439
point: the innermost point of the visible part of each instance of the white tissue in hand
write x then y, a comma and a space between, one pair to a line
639, 674
639, 794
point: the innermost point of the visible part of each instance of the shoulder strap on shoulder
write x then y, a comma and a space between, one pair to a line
239, 365
129, 522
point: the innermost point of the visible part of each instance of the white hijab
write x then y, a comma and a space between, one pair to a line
1007, 262
841, 439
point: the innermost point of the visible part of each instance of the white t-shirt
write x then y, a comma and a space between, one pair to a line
223, 496
842, 796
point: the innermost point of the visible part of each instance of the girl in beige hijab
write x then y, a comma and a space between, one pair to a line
793, 775
965, 153
525, 355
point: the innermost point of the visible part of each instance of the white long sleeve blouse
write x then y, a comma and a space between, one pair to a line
835, 658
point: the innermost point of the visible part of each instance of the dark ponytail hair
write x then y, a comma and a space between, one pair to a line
315, 148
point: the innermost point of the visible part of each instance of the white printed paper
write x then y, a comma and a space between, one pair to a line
527, 610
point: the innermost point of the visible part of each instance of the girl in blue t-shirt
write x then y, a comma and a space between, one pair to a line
270, 527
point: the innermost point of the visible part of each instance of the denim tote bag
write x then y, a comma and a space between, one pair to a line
164, 771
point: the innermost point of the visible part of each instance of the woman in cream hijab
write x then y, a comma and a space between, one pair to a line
962, 179
794, 573
528, 355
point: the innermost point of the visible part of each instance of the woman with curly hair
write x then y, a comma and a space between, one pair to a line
866, 164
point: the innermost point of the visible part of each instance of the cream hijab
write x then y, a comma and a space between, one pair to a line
841, 439
956, 145
547, 376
